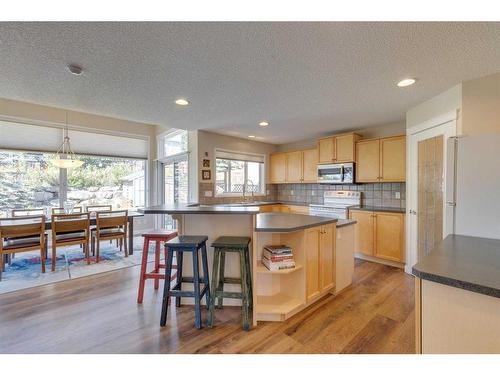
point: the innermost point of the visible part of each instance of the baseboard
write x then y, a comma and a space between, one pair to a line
379, 260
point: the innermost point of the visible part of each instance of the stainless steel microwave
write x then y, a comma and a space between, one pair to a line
336, 173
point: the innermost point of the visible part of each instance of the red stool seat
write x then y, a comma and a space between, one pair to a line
157, 236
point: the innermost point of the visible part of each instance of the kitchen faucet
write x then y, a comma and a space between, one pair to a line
244, 189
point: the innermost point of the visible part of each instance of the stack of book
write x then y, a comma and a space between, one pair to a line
277, 257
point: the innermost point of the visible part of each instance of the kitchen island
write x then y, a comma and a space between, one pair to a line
277, 295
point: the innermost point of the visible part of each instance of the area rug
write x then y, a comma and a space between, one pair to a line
25, 269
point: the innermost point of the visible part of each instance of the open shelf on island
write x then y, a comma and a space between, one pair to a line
263, 269
278, 307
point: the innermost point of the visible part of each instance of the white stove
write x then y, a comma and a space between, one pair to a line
336, 203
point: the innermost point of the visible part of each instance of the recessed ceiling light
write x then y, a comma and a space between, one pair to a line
75, 69
181, 102
406, 82
251, 136
263, 123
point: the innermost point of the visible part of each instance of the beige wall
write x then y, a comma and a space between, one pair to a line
450, 100
208, 142
481, 105
380, 131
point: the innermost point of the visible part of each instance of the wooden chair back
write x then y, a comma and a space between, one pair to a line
99, 208
111, 219
27, 226
60, 210
66, 223
27, 212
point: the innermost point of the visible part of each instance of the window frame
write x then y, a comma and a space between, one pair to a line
262, 174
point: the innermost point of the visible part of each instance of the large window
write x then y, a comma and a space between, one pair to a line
107, 180
239, 174
29, 180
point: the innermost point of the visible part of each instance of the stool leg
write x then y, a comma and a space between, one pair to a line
249, 278
215, 280
206, 282
196, 284
221, 277
180, 260
244, 292
142, 278
157, 263
166, 289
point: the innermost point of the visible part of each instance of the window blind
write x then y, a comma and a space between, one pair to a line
232, 155
18, 136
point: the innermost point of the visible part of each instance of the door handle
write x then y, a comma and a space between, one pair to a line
453, 204
413, 212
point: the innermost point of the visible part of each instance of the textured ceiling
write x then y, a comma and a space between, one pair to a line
306, 79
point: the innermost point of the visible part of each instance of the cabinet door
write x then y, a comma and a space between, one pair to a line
368, 161
278, 168
363, 231
393, 159
294, 166
310, 165
326, 150
344, 148
312, 262
389, 236
327, 258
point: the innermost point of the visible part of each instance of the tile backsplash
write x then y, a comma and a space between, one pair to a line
384, 194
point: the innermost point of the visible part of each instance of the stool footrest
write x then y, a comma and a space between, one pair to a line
232, 280
187, 293
235, 295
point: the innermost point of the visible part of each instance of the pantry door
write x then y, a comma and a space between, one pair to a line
431, 189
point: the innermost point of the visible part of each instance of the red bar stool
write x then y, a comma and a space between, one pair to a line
157, 236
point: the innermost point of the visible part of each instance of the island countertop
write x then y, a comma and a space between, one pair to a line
276, 222
470, 263
171, 209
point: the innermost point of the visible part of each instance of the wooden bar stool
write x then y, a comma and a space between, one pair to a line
158, 237
238, 245
180, 245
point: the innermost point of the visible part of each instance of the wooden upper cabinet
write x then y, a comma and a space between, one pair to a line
389, 236
345, 147
363, 231
393, 158
381, 160
368, 161
294, 166
277, 168
326, 150
310, 165
337, 149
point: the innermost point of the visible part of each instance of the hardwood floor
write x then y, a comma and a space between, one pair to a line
99, 314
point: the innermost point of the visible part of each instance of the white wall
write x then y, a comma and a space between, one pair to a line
448, 101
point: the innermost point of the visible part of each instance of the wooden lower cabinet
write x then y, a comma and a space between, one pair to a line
379, 234
320, 260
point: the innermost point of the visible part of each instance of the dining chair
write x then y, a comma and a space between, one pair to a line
20, 212
22, 234
70, 229
110, 225
60, 210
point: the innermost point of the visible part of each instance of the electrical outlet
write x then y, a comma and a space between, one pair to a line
291, 192
313, 193
208, 193
397, 195
268, 192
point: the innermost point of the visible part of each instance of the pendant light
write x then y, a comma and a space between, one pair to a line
65, 157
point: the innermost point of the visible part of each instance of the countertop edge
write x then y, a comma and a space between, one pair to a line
377, 209
295, 229
461, 284
349, 222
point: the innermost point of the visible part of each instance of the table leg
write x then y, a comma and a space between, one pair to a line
130, 235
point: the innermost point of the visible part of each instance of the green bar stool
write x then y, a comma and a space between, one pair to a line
221, 246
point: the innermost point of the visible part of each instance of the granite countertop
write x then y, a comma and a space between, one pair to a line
260, 203
276, 222
199, 209
470, 263
380, 209
345, 222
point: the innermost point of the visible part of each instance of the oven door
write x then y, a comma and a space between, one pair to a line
330, 173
